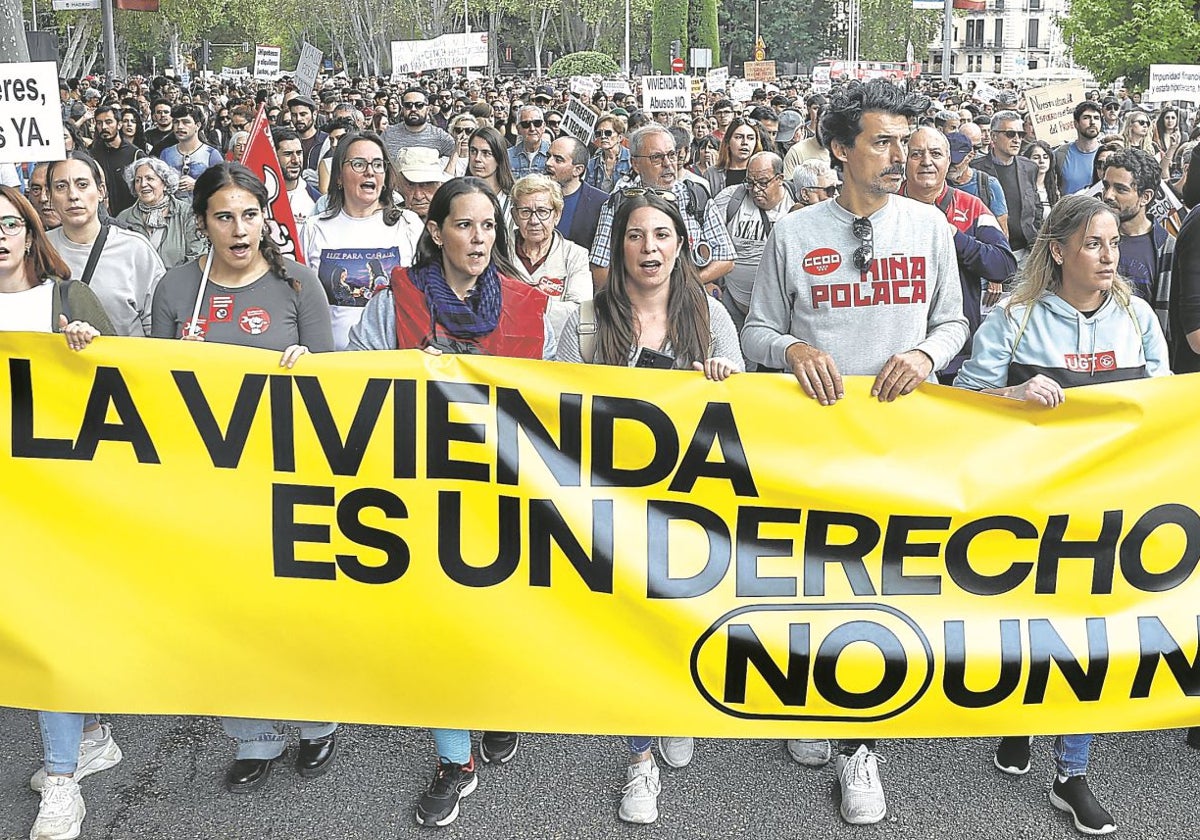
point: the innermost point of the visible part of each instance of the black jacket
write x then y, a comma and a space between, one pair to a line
587, 216
1030, 205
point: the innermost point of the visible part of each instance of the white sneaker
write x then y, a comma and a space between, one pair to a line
639, 800
862, 792
60, 816
95, 754
677, 752
811, 752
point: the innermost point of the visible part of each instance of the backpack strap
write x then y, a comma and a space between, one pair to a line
586, 330
984, 189
735, 201
94, 255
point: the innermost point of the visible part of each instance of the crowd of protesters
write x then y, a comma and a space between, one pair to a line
457, 215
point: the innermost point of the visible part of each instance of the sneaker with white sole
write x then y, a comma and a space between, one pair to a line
1076, 798
499, 747
639, 799
862, 792
1012, 755
811, 752
439, 804
60, 816
95, 754
677, 752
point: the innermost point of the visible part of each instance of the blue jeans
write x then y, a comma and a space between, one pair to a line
1071, 754
62, 733
639, 744
265, 739
453, 744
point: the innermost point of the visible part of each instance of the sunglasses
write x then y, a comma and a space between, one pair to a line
1141, 122
553, 123
1011, 133
665, 195
830, 192
1112, 107
864, 253
409, 106
605, 132
527, 124
464, 129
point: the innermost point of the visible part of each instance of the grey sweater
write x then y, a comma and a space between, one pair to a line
808, 289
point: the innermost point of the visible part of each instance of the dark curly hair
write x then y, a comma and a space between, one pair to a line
1140, 164
842, 120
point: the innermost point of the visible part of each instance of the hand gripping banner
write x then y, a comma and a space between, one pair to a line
493, 543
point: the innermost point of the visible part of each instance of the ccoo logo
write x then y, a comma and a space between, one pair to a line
822, 261
830, 662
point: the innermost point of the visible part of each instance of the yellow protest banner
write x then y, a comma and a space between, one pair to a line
494, 543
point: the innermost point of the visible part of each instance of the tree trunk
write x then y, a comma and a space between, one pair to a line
12, 32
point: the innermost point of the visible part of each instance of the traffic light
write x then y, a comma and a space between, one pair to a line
676, 48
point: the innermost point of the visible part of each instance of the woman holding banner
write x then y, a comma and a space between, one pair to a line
36, 296
652, 313
244, 292
1069, 300
460, 296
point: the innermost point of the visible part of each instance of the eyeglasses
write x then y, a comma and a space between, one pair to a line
830, 192
464, 129
1010, 133
605, 133
361, 164
527, 213
1112, 107
12, 225
553, 123
527, 124
1141, 122
864, 253
665, 195
659, 158
409, 106
755, 184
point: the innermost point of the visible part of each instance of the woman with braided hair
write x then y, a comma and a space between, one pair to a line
243, 291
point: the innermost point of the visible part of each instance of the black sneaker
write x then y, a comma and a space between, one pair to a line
499, 747
1012, 755
1193, 738
1075, 797
439, 804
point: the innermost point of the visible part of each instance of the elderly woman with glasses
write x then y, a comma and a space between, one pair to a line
541, 256
159, 214
611, 161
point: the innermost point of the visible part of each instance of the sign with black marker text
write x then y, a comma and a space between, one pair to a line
30, 116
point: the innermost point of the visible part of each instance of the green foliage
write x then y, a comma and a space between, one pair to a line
707, 30
793, 30
583, 64
1124, 37
668, 22
888, 26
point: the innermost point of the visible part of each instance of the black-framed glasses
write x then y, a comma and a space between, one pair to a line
524, 125
463, 129
659, 158
361, 165
829, 192
1141, 122
634, 192
1011, 133
605, 133
762, 185
409, 106
864, 253
526, 213
1113, 107
12, 225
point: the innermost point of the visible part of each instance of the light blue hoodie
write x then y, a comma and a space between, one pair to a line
1053, 338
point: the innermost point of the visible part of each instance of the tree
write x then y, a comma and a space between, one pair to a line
1115, 38
669, 22
793, 30
888, 25
12, 33
704, 29
583, 64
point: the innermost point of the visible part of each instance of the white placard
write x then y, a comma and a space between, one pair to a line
985, 92
701, 58
666, 93
579, 121
1173, 81
440, 53
307, 69
235, 72
1052, 111
740, 90
583, 85
31, 125
266, 61
717, 79
611, 86
821, 82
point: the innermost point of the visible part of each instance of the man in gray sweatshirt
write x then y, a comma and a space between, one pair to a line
865, 284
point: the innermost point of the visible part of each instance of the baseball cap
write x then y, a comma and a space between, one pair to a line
419, 165
1007, 98
960, 146
303, 101
543, 90
789, 121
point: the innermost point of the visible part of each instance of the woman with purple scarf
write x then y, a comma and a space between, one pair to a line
459, 296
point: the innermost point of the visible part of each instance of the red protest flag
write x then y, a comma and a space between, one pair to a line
261, 159
138, 5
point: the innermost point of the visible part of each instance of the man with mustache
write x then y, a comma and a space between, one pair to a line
1074, 160
113, 152
863, 285
985, 258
